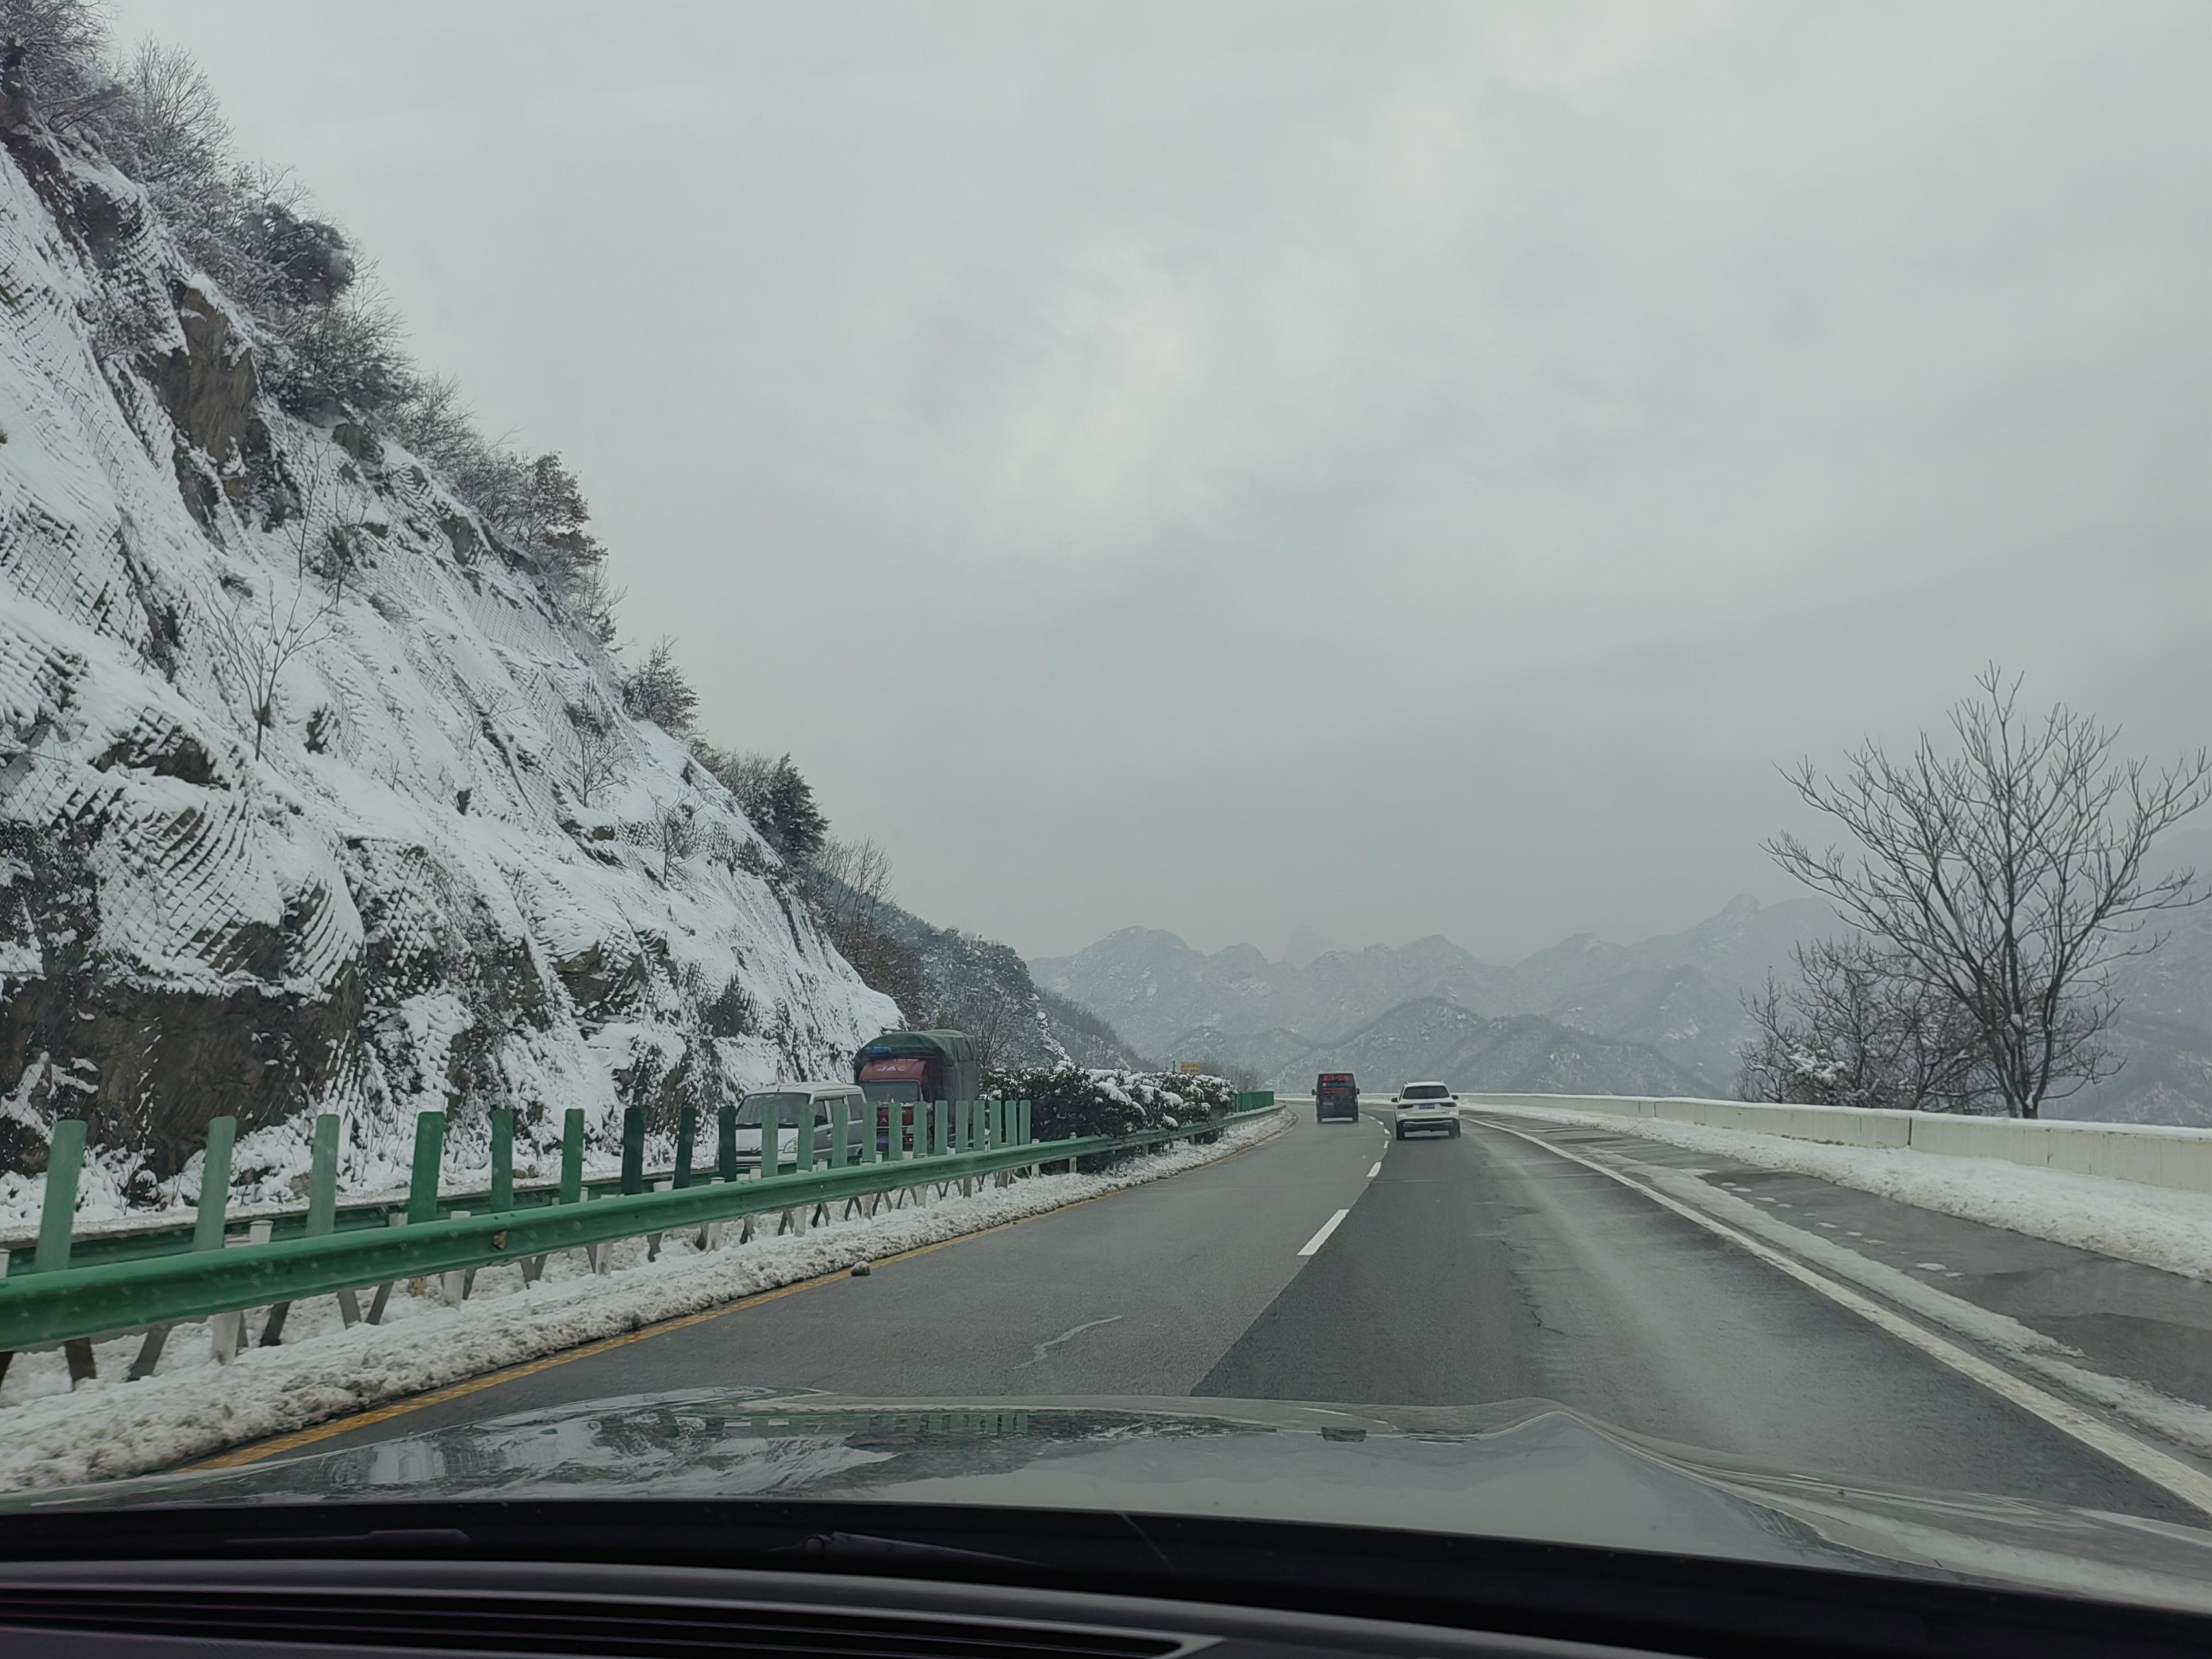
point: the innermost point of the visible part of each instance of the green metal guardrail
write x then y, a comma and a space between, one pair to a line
59, 1301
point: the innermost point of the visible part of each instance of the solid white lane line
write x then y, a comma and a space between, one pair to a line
1377, 1171
2190, 1484
1327, 1228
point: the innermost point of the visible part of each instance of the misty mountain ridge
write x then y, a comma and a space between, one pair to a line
984, 988
1677, 995
1663, 1016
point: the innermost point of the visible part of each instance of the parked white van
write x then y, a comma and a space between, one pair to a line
791, 1106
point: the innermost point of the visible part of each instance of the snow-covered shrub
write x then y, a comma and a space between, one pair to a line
1068, 1100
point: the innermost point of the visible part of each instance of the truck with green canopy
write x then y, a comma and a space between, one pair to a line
916, 1065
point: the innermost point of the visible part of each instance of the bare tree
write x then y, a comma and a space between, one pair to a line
1860, 1028
885, 964
848, 884
995, 1019
601, 757
2009, 877
173, 127
1239, 1078
679, 837
262, 637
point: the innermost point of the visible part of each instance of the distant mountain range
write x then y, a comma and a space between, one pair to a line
1664, 1017
984, 988
1664, 1013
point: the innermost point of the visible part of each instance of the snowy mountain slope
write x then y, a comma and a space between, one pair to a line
456, 874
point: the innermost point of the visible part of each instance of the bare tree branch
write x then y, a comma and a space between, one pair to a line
2009, 876
263, 639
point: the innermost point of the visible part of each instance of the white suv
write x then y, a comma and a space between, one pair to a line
1425, 1108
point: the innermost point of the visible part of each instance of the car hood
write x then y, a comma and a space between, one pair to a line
1523, 1469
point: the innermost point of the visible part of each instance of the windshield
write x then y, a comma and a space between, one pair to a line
789, 1110
771, 701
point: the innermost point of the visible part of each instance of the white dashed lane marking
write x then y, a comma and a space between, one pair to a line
1327, 1228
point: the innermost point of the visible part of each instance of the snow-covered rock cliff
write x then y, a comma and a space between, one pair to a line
311, 798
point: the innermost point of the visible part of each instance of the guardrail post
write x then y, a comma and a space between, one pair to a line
572, 1156
224, 1330
802, 1137
376, 1303
215, 1184
207, 1227
633, 1168
421, 1192
323, 1203
453, 1288
56, 1219
895, 1131
57, 1209
322, 1218
725, 1142
837, 1130
323, 1178
943, 1126
422, 1179
503, 1159
687, 1134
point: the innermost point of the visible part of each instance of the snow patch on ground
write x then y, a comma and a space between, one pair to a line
2155, 1226
193, 1407
2026, 1349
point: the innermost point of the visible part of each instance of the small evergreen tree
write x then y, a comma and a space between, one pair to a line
659, 692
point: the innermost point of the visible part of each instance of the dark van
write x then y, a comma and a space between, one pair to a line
1336, 1099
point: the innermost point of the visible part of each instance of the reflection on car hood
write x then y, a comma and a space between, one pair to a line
1524, 1469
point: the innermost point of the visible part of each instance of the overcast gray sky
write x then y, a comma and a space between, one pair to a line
1394, 468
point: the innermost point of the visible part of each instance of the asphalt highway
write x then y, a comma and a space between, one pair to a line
1331, 1265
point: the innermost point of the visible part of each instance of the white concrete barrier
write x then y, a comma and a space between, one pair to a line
2149, 1154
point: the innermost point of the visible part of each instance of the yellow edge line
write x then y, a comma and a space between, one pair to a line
283, 1443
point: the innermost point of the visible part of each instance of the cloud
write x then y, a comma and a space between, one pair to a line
1400, 468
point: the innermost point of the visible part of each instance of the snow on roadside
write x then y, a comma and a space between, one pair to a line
192, 1408
2155, 1226
2183, 1422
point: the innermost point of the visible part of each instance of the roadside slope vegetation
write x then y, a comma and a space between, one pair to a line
320, 787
